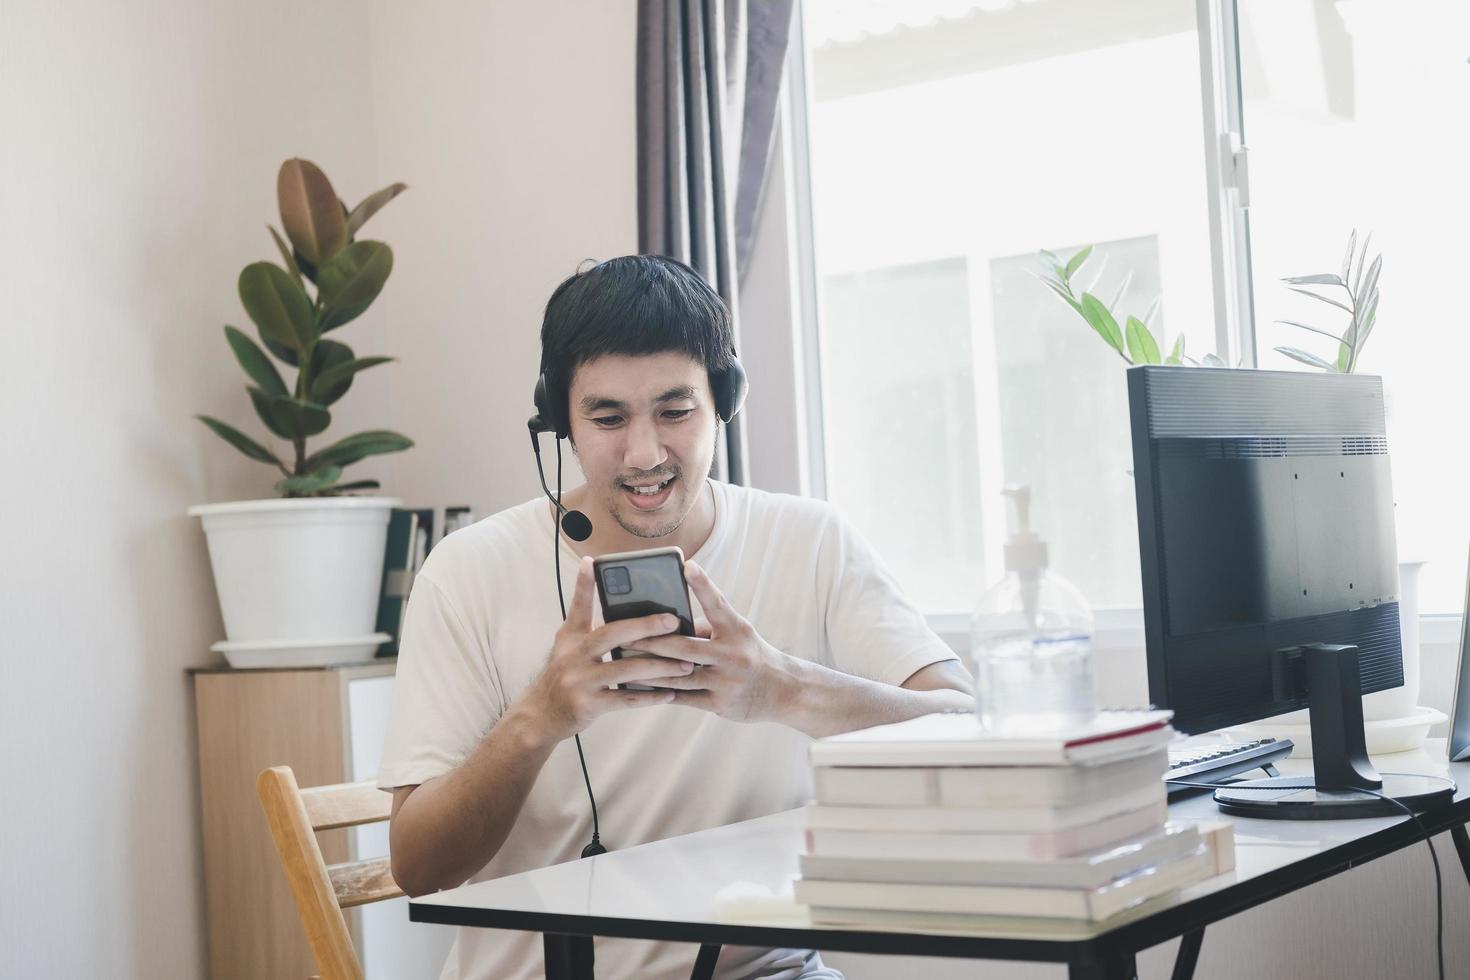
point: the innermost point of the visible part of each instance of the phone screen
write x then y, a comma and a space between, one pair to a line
643, 583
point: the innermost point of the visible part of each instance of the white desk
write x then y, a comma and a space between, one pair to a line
666, 891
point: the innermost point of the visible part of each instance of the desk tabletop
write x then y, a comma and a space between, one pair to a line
667, 890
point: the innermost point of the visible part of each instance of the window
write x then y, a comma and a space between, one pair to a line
947, 147
949, 141
1354, 114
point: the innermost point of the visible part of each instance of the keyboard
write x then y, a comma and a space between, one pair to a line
1216, 763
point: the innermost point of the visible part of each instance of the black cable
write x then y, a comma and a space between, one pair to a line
595, 846
1423, 831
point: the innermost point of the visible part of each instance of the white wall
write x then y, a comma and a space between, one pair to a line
514, 125
138, 148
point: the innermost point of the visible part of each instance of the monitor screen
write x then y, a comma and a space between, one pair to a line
1265, 516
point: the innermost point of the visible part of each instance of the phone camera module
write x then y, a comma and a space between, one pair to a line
617, 581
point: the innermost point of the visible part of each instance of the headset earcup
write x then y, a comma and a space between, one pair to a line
547, 409
730, 387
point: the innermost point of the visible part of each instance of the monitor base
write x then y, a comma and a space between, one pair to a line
1293, 798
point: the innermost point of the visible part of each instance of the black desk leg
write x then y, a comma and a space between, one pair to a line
1113, 966
704, 963
1188, 954
1462, 847
567, 957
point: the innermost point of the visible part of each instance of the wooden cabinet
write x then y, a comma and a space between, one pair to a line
327, 724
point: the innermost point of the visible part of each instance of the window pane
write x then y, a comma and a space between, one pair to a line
1355, 116
950, 142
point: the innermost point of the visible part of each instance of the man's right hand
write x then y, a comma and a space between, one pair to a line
577, 686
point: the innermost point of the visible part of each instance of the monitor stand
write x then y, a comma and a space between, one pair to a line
1339, 758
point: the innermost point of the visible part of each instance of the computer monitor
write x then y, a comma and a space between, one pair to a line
1270, 581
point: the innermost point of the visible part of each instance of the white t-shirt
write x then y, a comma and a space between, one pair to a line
479, 627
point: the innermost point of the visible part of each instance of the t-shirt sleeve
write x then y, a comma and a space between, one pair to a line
445, 697
872, 629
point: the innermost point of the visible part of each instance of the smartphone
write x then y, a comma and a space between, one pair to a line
643, 583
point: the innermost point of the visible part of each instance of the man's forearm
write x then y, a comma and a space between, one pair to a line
820, 701
450, 827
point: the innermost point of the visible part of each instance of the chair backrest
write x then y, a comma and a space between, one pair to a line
322, 891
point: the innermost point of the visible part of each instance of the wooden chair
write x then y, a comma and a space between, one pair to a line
322, 891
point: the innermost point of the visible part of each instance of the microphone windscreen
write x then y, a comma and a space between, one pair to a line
577, 526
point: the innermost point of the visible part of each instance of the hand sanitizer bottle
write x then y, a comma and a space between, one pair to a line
1031, 639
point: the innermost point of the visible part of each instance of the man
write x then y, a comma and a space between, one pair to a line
803, 634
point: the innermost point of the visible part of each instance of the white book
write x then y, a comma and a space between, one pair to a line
985, 785
1050, 903
1086, 871
956, 739
984, 819
1043, 846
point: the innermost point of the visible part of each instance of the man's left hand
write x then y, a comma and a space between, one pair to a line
738, 675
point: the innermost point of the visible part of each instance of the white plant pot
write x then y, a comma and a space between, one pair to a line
297, 569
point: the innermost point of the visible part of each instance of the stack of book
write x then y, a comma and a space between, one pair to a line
935, 823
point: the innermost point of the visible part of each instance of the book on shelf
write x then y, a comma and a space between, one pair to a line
1169, 843
962, 786
980, 846
1024, 901
986, 819
957, 739
412, 534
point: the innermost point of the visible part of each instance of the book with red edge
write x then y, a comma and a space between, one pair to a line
957, 739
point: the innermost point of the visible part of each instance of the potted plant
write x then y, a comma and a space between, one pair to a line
298, 577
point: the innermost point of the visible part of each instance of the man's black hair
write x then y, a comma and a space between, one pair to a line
632, 305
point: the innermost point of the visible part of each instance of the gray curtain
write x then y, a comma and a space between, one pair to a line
709, 74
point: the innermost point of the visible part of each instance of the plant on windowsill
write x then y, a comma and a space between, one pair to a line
1134, 341
1361, 307
298, 577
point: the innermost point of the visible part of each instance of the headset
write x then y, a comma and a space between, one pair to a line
728, 386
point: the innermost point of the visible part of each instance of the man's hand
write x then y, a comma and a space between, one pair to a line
739, 676
577, 685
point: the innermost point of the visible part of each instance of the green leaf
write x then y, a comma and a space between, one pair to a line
1347, 257
288, 256
1325, 299
1325, 333
282, 353
370, 206
333, 383
1210, 360
254, 361
374, 442
239, 440
1369, 284
309, 484
1075, 262
290, 418
1344, 359
1325, 279
1369, 316
1142, 348
278, 305
352, 280
1062, 292
326, 355
1176, 356
1305, 358
1102, 321
1358, 289
310, 211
